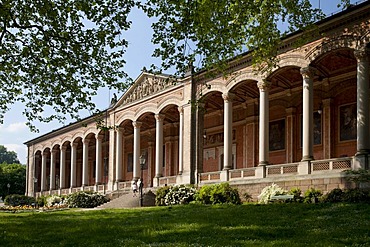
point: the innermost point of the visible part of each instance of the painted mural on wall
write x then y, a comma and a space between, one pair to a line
277, 135
348, 122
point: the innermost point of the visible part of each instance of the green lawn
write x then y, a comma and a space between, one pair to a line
193, 225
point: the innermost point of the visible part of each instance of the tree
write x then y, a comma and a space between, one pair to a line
55, 54
8, 157
15, 176
213, 32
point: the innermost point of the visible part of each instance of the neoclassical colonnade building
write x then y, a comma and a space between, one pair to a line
299, 125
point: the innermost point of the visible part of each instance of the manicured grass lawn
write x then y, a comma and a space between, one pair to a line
193, 225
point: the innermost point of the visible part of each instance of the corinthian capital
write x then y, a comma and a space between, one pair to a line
361, 54
307, 72
263, 85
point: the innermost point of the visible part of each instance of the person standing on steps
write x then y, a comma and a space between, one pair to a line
134, 188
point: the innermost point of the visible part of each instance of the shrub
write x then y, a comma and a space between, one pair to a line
218, 194
179, 195
356, 195
54, 200
267, 192
18, 200
41, 201
247, 197
85, 199
297, 193
336, 195
312, 195
160, 195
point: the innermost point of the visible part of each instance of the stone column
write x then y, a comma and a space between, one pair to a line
136, 158
43, 171
228, 130
52, 169
62, 168
181, 133
119, 154
363, 138
73, 164
307, 126
85, 162
158, 148
264, 87
98, 161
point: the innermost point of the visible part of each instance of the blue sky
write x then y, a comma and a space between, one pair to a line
14, 132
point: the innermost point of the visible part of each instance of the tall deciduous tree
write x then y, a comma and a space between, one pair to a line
15, 176
8, 157
56, 54
214, 31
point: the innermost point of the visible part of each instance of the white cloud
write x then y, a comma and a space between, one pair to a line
21, 151
15, 127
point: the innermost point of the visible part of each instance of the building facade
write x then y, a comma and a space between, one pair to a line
299, 125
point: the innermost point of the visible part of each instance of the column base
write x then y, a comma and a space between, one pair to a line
156, 181
263, 163
304, 167
361, 160
307, 158
225, 175
260, 171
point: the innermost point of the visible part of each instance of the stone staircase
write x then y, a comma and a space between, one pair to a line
125, 199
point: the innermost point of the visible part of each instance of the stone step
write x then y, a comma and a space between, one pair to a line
124, 199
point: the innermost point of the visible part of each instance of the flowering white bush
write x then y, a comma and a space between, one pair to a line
53, 200
267, 192
179, 195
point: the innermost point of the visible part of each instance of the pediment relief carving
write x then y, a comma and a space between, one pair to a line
147, 85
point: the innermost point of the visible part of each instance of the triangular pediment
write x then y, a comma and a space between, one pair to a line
144, 86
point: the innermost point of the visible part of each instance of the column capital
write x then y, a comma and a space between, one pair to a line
159, 117
263, 85
120, 130
307, 72
180, 109
228, 96
136, 124
361, 54
86, 141
63, 148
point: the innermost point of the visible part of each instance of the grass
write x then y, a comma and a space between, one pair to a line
193, 225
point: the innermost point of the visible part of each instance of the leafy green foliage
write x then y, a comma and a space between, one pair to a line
15, 176
85, 199
213, 32
174, 195
350, 195
268, 191
8, 157
218, 194
312, 195
160, 195
297, 193
336, 195
56, 54
18, 200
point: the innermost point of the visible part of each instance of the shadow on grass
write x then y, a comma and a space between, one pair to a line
193, 225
